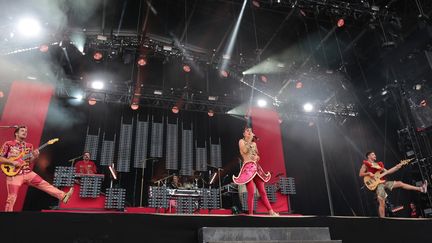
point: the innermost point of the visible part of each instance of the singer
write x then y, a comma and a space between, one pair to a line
251, 172
12, 150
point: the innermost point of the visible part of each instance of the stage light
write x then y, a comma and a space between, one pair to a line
142, 61
92, 101
299, 85
186, 68
213, 98
175, 109
210, 113
423, 103
224, 73
308, 107
256, 3
97, 84
340, 23
134, 106
97, 55
158, 92
44, 48
262, 103
417, 87
79, 97
384, 92
263, 78
29, 27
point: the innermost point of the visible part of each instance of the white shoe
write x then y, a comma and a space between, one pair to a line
68, 195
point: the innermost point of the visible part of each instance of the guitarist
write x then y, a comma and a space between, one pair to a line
370, 167
14, 148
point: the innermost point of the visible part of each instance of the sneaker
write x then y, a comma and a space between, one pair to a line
424, 186
68, 195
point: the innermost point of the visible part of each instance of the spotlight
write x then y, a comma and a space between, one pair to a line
29, 27
92, 101
417, 87
175, 109
262, 103
263, 78
44, 48
384, 92
158, 92
97, 56
423, 103
186, 68
79, 97
142, 61
224, 73
299, 85
210, 113
134, 106
213, 98
308, 107
340, 23
97, 84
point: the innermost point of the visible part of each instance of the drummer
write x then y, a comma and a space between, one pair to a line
175, 183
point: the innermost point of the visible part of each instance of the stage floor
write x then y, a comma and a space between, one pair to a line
165, 228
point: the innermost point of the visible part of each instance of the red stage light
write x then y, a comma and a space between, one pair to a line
186, 68
340, 23
224, 73
44, 48
97, 56
142, 61
264, 79
92, 101
134, 106
299, 85
175, 109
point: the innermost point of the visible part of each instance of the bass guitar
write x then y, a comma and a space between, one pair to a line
371, 182
11, 170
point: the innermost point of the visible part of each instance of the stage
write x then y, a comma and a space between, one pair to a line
120, 226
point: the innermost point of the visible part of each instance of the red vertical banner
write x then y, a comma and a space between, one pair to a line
27, 104
266, 126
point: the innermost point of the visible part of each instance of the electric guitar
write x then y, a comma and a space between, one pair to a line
371, 182
11, 170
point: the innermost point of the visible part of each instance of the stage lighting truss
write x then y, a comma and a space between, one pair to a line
271, 193
64, 176
187, 205
115, 198
287, 185
158, 197
210, 198
243, 200
90, 186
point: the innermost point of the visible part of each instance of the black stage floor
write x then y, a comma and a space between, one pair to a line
126, 227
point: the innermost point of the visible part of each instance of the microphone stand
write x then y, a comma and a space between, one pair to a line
73, 160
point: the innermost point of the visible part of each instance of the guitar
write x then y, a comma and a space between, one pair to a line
11, 170
371, 182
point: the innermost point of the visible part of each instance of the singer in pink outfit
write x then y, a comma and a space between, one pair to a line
12, 149
251, 172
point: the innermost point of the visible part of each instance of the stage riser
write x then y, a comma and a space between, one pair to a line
215, 234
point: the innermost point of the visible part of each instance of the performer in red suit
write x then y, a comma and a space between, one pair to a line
370, 167
85, 166
15, 148
251, 172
